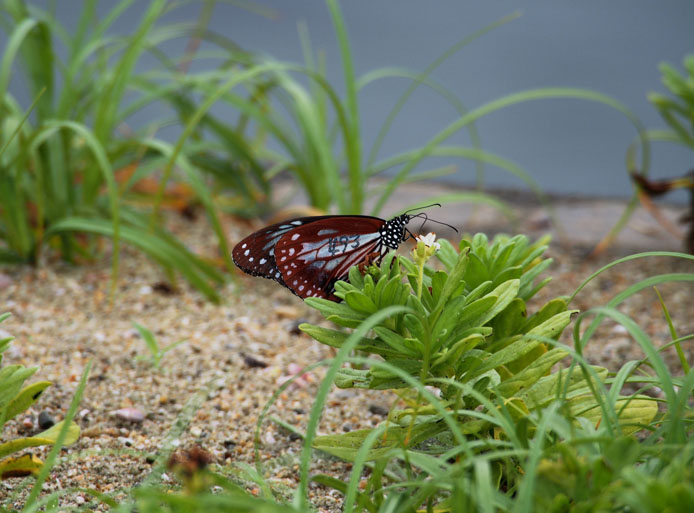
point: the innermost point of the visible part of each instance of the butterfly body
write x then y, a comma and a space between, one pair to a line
308, 255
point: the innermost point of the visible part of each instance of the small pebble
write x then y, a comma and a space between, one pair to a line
130, 414
28, 422
294, 326
5, 281
253, 363
195, 431
164, 288
378, 410
347, 427
287, 312
45, 420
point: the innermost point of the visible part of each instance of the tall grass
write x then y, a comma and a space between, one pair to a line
70, 164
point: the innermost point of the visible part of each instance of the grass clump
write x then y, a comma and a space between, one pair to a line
71, 167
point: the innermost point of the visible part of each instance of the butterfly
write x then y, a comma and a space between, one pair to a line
309, 254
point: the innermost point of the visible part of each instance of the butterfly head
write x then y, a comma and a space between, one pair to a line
394, 231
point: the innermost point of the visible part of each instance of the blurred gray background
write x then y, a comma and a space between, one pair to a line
568, 146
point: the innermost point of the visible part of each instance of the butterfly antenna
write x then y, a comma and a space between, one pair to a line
420, 208
427, 218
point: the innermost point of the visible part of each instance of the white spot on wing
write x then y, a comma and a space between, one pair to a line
262, 261
245, 253
295, 236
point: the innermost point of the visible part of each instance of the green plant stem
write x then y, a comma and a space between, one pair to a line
420, 279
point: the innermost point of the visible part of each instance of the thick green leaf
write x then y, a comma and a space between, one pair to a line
561, 383
510, 321
634, 413
345, 446
47, 437
406, 347
24, 465
28, 396
360, 302
532, 373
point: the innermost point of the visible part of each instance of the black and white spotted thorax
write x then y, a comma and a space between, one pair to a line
393, 231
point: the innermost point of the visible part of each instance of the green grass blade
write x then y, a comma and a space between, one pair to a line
626, 259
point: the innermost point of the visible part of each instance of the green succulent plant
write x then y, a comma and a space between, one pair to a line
466, 331
15, 398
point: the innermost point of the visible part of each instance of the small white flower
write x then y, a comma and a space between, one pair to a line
429, 241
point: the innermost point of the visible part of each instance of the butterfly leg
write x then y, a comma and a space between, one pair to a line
369, 260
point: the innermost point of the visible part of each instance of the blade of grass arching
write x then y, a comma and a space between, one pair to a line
37, 56
651, 281
185, 263
352, 139
626, 259
138, 221
641, 338
622, 376
12, 47
673, 333
57, 447
421, 79
500, 103
104, 166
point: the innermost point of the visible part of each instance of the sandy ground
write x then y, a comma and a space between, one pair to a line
243, 349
